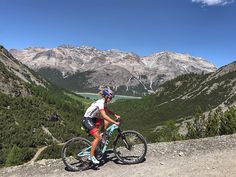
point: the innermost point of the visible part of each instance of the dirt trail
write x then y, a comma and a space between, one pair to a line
40, 150
209, 157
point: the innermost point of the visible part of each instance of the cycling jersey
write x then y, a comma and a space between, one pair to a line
95, 108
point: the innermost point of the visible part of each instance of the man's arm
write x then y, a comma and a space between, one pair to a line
109, 111
106, 117
112, 113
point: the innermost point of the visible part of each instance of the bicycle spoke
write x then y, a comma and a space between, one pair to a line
130, 147
75, 153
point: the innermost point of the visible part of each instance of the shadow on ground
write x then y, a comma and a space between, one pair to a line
107, 157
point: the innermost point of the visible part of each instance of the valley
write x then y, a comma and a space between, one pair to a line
31, 104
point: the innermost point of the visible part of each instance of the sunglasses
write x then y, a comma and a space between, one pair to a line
111, 96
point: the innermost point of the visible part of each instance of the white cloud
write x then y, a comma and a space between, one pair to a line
213, 2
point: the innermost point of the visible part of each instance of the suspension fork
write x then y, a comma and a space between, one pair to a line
122, 138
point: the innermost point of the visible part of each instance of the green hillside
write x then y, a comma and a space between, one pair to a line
78, 82
177, 100
22, 119
33, 112
75, 82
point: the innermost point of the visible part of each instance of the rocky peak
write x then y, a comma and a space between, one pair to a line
224, 70
156, 68
67, 46
229, 68
14, 75
84, 47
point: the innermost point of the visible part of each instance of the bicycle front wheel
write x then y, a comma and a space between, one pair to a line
75, 153
130, 147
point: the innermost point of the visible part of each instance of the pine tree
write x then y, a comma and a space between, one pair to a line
197, 128
228, 122
170, 132
213, 122
14, 157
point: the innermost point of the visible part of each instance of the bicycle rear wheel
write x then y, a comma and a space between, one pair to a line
75, 154
130, 147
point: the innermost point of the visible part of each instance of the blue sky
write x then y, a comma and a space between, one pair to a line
204, 28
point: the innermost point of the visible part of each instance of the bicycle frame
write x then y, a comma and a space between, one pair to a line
110, 130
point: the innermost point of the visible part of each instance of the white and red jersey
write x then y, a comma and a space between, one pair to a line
95, 108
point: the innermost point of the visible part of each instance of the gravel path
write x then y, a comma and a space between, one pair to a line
203, 157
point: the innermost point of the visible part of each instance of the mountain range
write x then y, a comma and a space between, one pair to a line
35, 113
15, 77
84, 68
180, 99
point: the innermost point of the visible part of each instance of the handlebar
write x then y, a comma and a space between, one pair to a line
118, 120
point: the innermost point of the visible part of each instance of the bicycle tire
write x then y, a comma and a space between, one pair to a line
70, 152
124, 152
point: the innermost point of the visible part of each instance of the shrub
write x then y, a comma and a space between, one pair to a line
196, 129
51, 152
17, 155
228, 122
170, 132
217, 123
213, 123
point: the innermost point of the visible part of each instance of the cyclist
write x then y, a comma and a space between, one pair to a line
91, 120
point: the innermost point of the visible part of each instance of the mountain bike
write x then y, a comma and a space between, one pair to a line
129, 147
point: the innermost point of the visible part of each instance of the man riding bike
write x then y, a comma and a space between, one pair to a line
91, 120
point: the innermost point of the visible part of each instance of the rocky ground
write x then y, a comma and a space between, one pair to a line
203, 157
